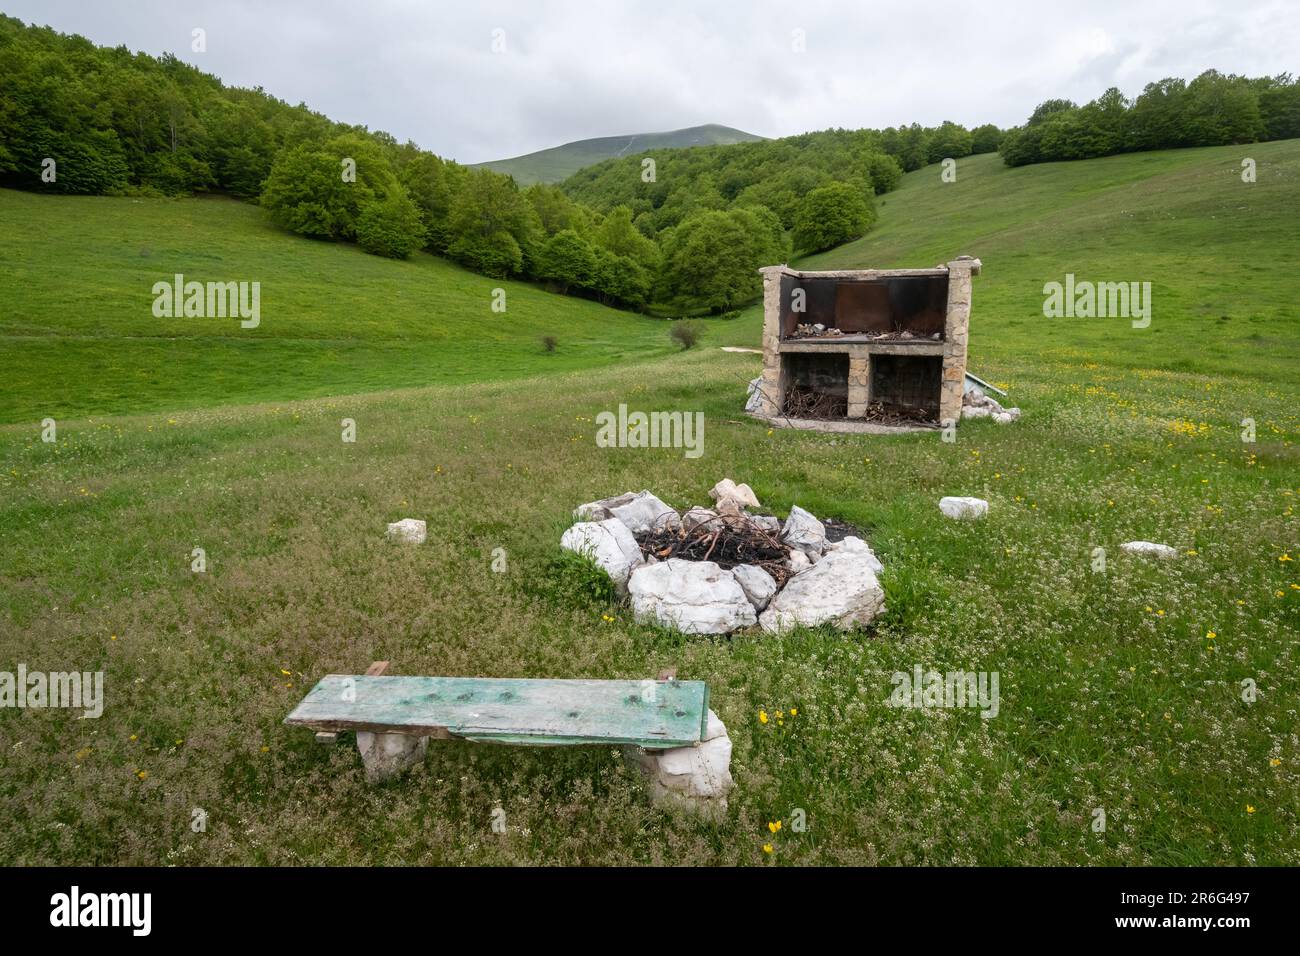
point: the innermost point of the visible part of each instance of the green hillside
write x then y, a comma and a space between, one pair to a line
78, 335
560, 162
1213, 248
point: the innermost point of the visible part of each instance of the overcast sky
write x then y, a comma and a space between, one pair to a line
570, 70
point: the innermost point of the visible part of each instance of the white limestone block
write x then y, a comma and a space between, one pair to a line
1149, 549
411, 530
963, 507
695, 597
841, 589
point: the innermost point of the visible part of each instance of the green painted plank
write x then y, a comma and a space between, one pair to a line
653, 714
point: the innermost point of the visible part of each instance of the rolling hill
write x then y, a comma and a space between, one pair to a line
560, 162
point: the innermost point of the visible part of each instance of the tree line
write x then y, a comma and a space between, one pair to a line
114, 122
1214, 109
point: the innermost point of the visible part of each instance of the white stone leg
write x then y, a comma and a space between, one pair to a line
696, 777
387, 755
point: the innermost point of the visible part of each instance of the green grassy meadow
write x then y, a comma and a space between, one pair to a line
1120, 690
79, 336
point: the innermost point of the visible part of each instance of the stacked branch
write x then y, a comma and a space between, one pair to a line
892, 413
801, 402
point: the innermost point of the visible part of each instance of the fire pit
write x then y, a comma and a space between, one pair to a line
713, 571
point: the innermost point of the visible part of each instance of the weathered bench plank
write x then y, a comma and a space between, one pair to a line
650, 714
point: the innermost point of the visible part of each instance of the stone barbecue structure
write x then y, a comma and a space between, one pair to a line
865, 345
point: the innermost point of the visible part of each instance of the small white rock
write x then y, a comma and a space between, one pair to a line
1149, 548
963, 507
697, 777
640, 511
726, 488
804, 532
387, 755
798, 561
698, 516
758, 585
411, 530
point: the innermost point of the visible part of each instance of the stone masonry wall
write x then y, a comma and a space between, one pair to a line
770, 388
859, 385
956, 335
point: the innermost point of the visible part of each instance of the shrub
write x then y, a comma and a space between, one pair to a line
492, 227
684, 334
549, 343
306, 193
885, 171
620, 279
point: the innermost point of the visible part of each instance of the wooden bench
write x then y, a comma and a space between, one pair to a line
394, 717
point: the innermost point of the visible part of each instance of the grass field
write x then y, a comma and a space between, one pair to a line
78, 335
1120, 690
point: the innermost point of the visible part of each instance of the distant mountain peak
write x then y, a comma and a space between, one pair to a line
560, 162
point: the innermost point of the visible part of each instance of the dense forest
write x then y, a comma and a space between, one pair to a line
1212, 110
779, 174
